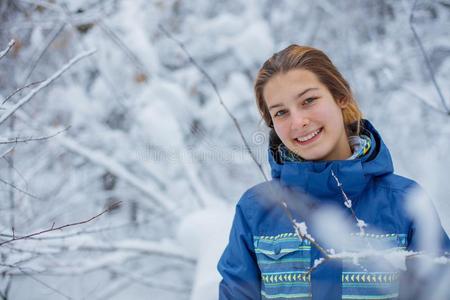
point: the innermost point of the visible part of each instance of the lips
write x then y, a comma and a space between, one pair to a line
309, 138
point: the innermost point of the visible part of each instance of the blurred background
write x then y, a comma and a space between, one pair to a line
140, 121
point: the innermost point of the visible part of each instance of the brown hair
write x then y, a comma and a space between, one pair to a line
317, 62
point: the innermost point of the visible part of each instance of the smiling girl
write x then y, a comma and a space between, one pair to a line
317, 138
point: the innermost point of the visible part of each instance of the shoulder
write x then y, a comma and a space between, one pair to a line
259, 195
397, 183
259, 199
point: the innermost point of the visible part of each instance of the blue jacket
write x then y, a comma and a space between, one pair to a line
266, 260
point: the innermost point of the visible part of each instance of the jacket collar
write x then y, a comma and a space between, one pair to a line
315, 178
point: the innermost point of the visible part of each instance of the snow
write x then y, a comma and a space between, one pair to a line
254, 45
317, 262
177, 207
361, 224
348, 203
302, 228
203, 234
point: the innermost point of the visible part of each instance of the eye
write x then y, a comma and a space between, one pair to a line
309, 100
279, 113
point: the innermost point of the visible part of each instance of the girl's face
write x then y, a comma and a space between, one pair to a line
306, 117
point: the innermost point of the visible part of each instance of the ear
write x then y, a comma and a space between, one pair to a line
342, 102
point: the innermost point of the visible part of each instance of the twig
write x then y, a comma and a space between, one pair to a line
348, 203
151, 283
422, 100
301, 233
35, 60
7, 151
117, 40
20, 89
53, 228
216, 91
20, 190
427, 60
38, 280
44, 84
16, 140
4, 52
147, 222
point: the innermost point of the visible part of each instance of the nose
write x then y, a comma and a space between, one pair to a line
300, 121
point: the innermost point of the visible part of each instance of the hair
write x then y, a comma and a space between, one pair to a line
317, 62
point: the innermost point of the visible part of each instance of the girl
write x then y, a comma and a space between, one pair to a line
322, 154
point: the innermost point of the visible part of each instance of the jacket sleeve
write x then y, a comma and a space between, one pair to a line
426, 232
238, 266
425, 278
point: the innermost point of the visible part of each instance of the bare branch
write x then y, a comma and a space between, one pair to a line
422, 100
20, 190
136, 61
216, 90
20, 89
44, 84
16, 140
53, 228
4, 52
427, 60
35, 60
7, 151
152, 283
38, 280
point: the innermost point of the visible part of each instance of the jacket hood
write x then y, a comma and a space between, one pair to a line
315, 178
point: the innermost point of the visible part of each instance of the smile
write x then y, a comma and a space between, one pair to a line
303, 140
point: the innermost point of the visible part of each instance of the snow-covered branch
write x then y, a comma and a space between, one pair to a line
5, 51
18, 139
44, 84
20, 89
302, 233
115, 253
158, 199
348, 203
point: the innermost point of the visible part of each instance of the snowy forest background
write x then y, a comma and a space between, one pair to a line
139, 121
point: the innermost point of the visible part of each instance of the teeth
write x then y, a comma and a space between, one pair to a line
309, 136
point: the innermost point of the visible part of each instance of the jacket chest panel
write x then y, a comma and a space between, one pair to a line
284, 261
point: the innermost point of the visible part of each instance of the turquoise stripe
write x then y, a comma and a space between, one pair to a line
365, 273
370, 285
387, 296
285, 296
294, 283
278, 273
287, 239
284, 250
263, 261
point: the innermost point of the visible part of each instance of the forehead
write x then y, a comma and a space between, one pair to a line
284, 86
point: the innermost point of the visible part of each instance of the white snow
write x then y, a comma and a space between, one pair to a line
204, 234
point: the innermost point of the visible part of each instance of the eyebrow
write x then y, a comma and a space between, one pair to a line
298, 96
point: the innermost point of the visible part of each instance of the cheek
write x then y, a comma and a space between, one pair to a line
281, 130
333, 115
